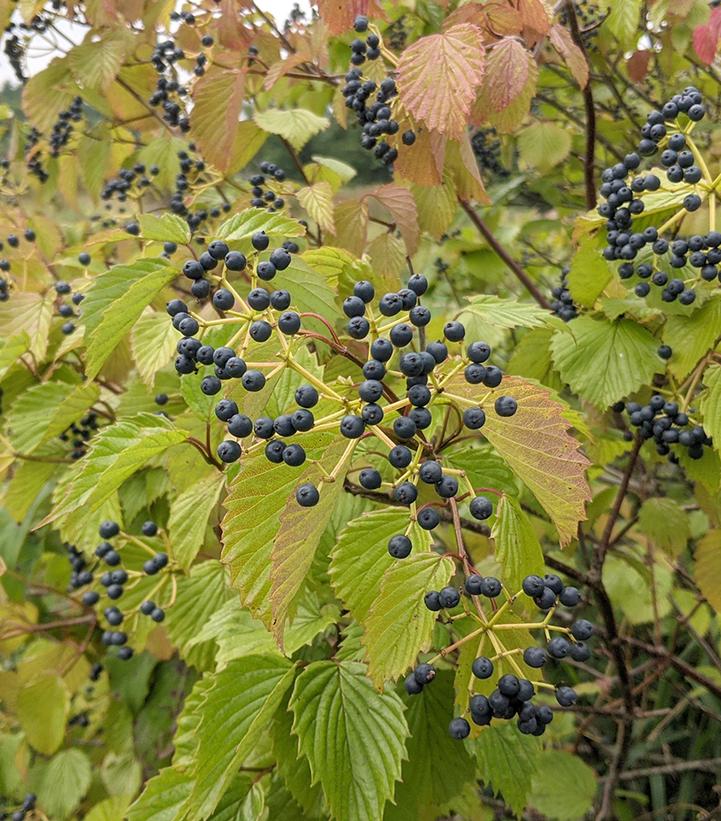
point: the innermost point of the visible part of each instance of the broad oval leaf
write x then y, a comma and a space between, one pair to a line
438, 77
537, 445
605, 361
352, 735
115, 302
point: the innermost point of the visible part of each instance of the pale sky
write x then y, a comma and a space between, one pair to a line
42, 53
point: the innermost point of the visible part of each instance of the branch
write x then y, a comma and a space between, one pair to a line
590, 112
514, 267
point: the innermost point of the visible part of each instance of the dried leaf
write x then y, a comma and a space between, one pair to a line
399, 201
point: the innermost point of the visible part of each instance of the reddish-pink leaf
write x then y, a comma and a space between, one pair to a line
535, 17
637, 65
507, 71
423, 164
706, 37
399, 201
438, 77
537, 445
339, 15
570, 53
219, 92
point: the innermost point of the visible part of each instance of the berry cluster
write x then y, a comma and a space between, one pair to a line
513, 694
4, 290
667, 425
426, 368
192, 173
487, 149
15, 52
78, 434
33, 154
377, 118
63, 289
656, 258
129, 182
264, 195
63, 127
116, 579
20, 814
169, 94
562, 304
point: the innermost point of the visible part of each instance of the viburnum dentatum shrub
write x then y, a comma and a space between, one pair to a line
361, 409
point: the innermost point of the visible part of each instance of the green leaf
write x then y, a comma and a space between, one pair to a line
310, 293
11, 350
111, 809
506, 313
256, 498
116, 453
352, 735
424, 781
507, 762
299, 534
399, 625
317, 200
115, 302
96, 63
189, 515
242, 700
293, 767
163, 797
42, 710
483, 466
665, 523
707, 567
518, 550
165, 228
30, 314
360, 558
605, 361
240, 227
590, 273
153, 342
44, 411
631, 587
575, 800
296, 125
691, 337
24, 489
63, 782
544, 145
200, 595
623, 21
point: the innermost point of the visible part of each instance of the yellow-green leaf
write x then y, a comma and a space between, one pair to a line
295, 125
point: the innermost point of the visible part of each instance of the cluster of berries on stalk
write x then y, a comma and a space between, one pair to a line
674, 264
13, 241
129, 182
264, 185
79, 434
28, 805
667, 424
115, 580
64, 289
514, 692
376, 118
562, 303
487, 150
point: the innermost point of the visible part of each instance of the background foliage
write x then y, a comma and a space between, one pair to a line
271, 690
